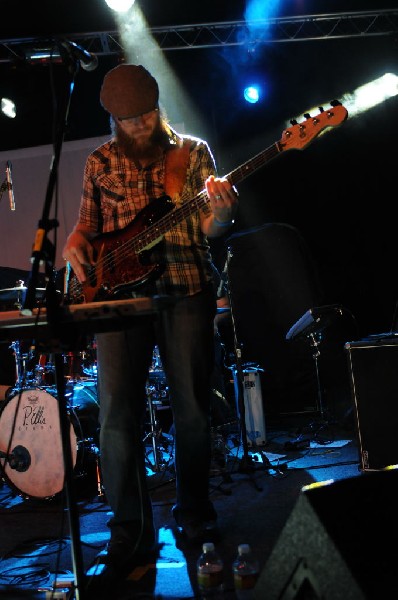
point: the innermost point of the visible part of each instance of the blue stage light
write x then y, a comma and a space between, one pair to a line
251, 94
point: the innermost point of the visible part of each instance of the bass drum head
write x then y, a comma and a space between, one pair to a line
30, 431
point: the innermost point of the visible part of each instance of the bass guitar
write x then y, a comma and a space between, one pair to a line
122, 256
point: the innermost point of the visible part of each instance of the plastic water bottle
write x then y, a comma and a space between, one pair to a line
245, 570
210, 572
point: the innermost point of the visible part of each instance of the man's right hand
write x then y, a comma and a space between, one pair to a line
79, 252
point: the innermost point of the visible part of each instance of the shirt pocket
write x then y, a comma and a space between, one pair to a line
113, 193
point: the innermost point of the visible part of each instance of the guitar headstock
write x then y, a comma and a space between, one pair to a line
301, 134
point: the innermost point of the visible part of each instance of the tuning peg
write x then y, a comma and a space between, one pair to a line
335, 103
293, 121
307, 115
321, 109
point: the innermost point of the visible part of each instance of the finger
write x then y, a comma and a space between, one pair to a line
78, 270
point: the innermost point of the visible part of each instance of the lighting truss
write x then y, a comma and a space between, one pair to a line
230, 33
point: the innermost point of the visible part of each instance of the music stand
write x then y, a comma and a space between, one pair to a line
311, 326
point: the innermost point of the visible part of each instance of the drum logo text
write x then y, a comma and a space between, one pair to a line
34, 416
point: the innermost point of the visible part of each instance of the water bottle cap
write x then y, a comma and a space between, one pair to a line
243, 548
208, 547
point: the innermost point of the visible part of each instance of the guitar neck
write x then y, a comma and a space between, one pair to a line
234, 177
296, 137
254, 164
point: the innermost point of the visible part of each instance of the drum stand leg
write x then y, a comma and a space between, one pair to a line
20, 365
155, 434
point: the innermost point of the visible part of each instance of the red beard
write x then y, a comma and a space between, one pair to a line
142, 148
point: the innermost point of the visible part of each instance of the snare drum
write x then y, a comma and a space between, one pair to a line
30, 430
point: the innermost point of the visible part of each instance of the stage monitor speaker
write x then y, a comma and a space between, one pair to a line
373, 366
338, 543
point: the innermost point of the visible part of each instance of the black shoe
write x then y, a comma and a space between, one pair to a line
197, 525
121, 558
198, 532
124, 553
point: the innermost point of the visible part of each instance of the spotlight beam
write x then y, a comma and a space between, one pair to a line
368, 95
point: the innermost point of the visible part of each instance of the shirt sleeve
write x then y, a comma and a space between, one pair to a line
201, 166
89, 211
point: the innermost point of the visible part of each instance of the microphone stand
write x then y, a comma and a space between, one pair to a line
44, 253
247, 465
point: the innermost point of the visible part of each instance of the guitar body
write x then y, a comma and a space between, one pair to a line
117, 270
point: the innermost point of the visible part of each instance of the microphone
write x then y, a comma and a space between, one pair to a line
9, 185
88, 61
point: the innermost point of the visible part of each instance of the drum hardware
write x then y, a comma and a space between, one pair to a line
161, 442
34, 370
23, 356
157, 392
81, 365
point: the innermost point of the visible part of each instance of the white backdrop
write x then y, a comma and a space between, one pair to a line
30, 177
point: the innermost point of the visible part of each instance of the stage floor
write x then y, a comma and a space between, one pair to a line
254, 489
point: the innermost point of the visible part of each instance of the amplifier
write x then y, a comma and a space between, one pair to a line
373, 366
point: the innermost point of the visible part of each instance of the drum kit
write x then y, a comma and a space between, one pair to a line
31, 453
30, 424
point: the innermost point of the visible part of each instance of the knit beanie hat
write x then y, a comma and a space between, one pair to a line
129, 91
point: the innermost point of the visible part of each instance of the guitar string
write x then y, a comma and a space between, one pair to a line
140, 242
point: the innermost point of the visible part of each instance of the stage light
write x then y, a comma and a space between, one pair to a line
251, 94
8, 108
120, 6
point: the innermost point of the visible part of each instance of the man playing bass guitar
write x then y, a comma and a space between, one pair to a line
134, 237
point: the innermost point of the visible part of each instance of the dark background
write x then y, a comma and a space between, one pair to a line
338, 193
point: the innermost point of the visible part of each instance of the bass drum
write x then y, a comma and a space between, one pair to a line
30, 433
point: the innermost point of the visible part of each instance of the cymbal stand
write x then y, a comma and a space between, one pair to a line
315, 339
20, 363
155, 433
247, 464
316, 426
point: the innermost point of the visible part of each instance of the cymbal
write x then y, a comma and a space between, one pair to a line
16, 294
20, 288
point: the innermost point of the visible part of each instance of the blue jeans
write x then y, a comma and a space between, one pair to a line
183, 332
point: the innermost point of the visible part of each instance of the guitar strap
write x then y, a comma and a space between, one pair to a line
176, 165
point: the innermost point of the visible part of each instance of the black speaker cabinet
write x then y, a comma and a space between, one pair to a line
373, 366
336, 543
